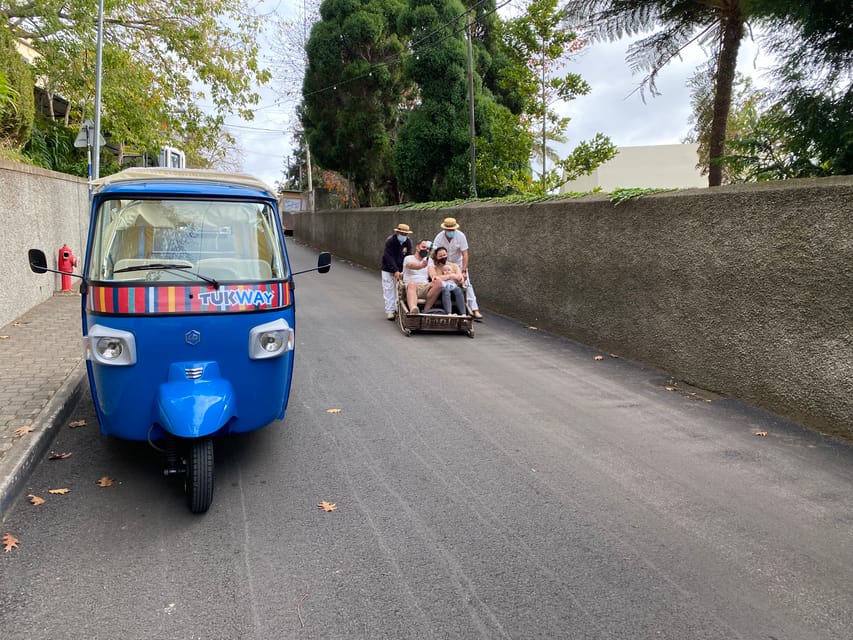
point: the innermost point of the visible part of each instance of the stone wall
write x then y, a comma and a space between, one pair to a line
43, 210
744, 290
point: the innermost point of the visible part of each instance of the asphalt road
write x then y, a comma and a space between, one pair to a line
509, 486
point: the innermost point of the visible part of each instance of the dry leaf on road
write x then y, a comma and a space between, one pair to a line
4, 337
22, 431
60, 456
59, 492
761, 433
104, 482
333, 410
327, 506
36, 500
77, 423
9, 542
598, 358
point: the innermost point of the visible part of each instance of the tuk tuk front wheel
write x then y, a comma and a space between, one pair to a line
199, 481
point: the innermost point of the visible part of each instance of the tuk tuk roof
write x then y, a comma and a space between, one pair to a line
166, 176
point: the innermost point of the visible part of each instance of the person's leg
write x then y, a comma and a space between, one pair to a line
445, 300
389, 292
432, 294
412, 297
459, 299
472, 299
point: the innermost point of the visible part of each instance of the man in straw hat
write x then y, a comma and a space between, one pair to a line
452, 239
397, 247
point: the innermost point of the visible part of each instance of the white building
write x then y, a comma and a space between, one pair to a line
665, 166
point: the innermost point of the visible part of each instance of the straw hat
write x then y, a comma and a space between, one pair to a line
403, 228
449, 224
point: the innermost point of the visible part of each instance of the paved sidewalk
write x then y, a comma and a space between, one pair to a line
42, 376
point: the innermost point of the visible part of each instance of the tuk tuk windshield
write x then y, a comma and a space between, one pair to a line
186, 240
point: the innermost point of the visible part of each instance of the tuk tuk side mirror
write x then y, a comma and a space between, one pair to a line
38, 261
324, 262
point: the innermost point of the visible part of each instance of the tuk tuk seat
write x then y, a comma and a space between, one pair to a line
243, 269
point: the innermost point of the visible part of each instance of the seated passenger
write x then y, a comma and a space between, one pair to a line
416, 279
451, 278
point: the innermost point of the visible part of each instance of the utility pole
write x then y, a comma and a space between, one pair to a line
96, 164
544, 121
471, 128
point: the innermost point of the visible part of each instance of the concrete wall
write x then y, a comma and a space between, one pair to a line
43, 210
744, 290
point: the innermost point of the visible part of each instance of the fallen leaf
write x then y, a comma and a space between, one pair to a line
327, 506
22, 431
333, 410
60, 456
613, 355
598, 358
4, 337
59, 492
532, 328
77, 423
670, 388
36, 500
9, 542
761, 433
104, 482
16, 324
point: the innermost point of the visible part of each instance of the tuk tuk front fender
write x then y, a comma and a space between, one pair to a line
196, 401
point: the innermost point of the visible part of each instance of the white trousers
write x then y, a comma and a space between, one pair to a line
389, 292
471, 297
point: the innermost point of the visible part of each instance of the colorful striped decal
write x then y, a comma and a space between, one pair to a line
129, 300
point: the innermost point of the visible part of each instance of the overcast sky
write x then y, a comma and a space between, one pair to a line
610, 108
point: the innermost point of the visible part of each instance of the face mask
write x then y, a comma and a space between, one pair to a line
450, 234
423, 253
402, 239
441, 260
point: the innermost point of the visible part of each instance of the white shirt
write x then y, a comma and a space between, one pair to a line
412, 273
455, 245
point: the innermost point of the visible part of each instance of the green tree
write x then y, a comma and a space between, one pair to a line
17, 104
351, 93
172, 68
542, 42
743, 117
432, 156
675, 24
810, 110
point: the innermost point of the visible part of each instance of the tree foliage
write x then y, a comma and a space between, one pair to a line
17, 105
351, 91
810, 109
542, 42
171, 68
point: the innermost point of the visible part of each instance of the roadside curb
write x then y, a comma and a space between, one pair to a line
16, 465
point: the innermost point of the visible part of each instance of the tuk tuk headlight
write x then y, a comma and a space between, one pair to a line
109, 346
270, 340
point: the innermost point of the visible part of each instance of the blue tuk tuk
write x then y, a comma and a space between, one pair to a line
188, 313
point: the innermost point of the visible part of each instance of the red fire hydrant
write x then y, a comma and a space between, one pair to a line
66, 262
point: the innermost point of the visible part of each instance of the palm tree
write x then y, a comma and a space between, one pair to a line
674, 25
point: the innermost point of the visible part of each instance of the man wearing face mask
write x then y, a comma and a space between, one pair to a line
416, 279
457, 252
397, 247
